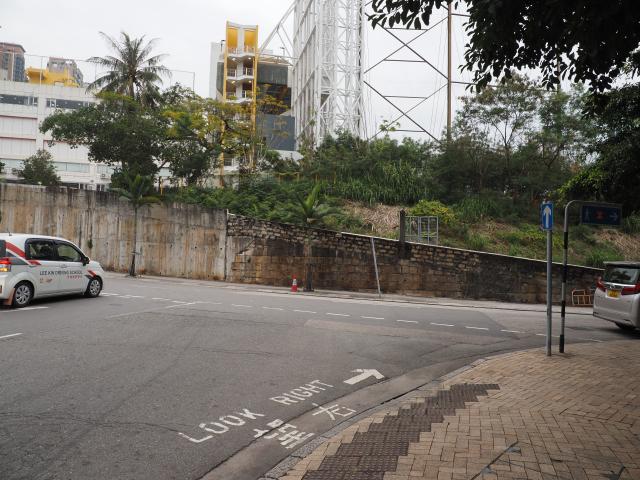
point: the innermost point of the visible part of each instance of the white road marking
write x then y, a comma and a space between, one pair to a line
304, 311
363, 375
12, 335
589, 339
541, 334
407, 321
107, 294
162, 299
182, 305
511, 331
442, 324
374, 318
477, 328
238, 305
339, 314
132, 296
26, 309
273, 308
178, 301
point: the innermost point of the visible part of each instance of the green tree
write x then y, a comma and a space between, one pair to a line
132, 70
311, 211
38, 169
139, 191
613, 175
118, 132
581, 40
503, 115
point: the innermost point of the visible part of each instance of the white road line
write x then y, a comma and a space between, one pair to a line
178, 301
162, 299
304, 311
132, 296
26, 309
238, 305
374, 318
107, 294
407, 321
12, 335
182, 305
442, 324
511, 331
541, 334
273, 308
477, 328
339, 314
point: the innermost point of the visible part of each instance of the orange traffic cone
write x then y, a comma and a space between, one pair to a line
294, 284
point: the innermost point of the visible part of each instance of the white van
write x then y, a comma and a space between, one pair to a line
617, 298
36, 266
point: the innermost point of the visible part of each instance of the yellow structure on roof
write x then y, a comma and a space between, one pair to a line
59, 71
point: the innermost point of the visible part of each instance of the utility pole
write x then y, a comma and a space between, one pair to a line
449, 49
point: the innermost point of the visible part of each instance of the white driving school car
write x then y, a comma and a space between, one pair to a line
36, 266
617, 298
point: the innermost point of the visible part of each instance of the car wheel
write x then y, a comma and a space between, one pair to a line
625, 326
22, 295
94, 288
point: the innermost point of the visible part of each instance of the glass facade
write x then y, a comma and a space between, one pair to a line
66, 104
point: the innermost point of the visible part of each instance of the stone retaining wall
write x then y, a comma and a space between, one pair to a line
270, 253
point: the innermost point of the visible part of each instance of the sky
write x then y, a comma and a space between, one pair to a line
186, 28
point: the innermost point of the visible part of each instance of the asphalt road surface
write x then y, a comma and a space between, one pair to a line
167, 379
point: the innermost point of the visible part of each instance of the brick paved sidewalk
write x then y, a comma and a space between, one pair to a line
516, 416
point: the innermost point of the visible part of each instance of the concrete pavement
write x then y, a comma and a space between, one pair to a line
516, 416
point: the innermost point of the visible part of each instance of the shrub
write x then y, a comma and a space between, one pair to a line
598, 256
631, 224
433, 208
477, 242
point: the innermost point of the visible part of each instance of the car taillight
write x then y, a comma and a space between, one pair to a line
631, 290
600, 285
5, 264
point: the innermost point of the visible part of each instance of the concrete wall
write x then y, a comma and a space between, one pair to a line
188, 241
270, 253
177, 240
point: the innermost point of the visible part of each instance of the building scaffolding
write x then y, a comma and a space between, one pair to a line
328, 44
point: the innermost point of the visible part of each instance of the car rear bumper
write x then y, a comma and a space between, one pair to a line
621, 321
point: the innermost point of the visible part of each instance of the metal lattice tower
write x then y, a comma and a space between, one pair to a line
328, 47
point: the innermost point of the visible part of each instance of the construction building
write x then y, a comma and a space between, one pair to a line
239, 73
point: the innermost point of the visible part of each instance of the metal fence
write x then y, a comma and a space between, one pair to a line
421, 230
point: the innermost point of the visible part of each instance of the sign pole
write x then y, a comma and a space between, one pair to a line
565, 255
549, 288
546, 223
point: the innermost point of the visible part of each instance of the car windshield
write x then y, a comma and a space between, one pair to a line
621, 274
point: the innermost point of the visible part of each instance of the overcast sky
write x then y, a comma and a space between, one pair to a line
185, 29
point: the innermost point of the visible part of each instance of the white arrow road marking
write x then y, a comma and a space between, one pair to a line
12, 335
364, 374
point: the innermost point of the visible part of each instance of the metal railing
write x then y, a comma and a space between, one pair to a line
421, 230
241, 50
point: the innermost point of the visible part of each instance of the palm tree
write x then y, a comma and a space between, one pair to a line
310, 211
139, 191
131, 71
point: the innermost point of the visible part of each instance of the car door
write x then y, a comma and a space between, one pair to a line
72, 268
43, 264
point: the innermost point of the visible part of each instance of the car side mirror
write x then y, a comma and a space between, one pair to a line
85, 260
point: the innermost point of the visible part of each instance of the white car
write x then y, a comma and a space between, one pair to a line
617, 296
37, 266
